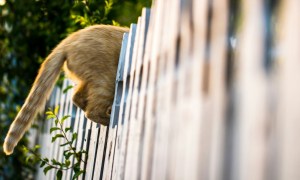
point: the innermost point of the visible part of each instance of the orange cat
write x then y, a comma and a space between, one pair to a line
90, 58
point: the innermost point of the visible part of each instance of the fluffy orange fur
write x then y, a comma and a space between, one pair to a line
90, 58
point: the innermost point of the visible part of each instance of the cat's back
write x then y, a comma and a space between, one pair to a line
96, 37
93, 50
105, 32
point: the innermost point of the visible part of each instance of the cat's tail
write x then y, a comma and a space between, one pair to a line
36, 100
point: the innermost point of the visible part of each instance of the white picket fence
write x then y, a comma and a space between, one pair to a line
197, 98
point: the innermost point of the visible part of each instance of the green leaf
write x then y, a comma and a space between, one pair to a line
65, 152
64, 118
76, 167
42, 164
115, 23
49, 112
108, 6
77, 174
83, 152
54, 162
50, 116
36, 147
68, 155
56, 122
54, 129
67, 88
56, 110
68, 162
59, 174
56, 136
35, 126
28, 158
68, 129
78, 156
74, 136
65, 144
25, 149
47, 169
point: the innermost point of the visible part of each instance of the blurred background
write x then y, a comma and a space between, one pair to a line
29, 30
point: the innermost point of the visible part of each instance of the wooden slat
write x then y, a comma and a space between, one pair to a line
76, 118
67, 111
71, 111
62, 109
87, 135
118, 169
163, 89
142, 73
63, 105
217, 86
188, 105
83, 133
130, 164
150, 63
54, 146
134, 135
102, 141
187, 125
92, 150
288, 122
114, 122
251, 107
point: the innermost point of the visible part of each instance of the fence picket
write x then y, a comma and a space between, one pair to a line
251, 121
288, 116
163, 89
100, 157
71, 111
129, 167
85, 141
217, 89
119, 162
54, 146
76, 117
151, 61
92, 152
114, 124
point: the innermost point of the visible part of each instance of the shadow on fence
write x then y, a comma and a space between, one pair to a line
203, 91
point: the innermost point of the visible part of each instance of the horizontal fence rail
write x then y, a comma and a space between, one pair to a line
204, 90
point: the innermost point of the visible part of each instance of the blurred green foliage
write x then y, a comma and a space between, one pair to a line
29, 29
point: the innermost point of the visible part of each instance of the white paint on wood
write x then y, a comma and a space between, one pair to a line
288, 114
251, 107
114, 122
98, 169
119, 165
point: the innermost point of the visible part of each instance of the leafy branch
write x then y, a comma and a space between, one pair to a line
70, 152
87, 13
